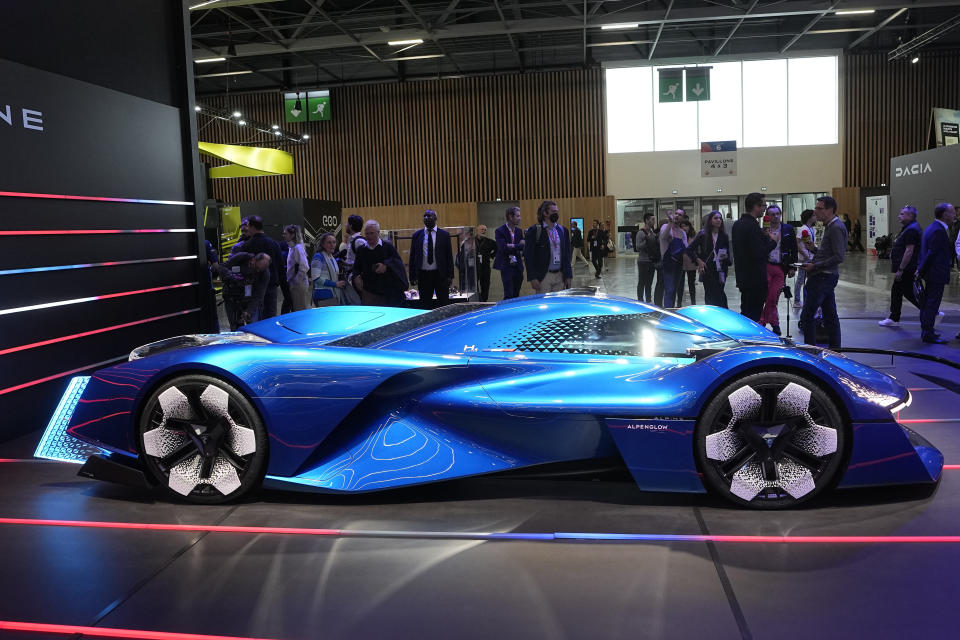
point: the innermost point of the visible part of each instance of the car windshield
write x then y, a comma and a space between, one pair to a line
379, 334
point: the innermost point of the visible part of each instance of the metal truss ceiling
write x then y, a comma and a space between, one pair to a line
291, 44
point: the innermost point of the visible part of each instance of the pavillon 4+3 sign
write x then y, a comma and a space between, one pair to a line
306, 106
718, 159
672, 84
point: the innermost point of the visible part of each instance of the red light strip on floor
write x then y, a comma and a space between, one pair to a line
61, 374
84, 334
98, 632
57, 196
106, 296
927, 420
458, 535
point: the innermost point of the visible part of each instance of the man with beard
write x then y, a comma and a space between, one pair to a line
547, 251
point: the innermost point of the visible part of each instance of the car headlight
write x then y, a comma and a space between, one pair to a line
885, 400
194, 340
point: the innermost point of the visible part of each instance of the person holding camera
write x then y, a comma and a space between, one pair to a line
673, 244
245, 277
711, 251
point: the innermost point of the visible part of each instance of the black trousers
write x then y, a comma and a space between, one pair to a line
658, 289
512, 277
902, 288
483, 275
691, 285
645, 271
752, 300
820, 294
430, 282
928, 315
596, 257
713, 293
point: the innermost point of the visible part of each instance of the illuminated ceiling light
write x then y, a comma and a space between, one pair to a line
196, 108
225, 73
306, 136
621, 25
915, 59
274, 126
400, 43
242, 123
277, 133
237, 114
205, 60
852, 12
202, 4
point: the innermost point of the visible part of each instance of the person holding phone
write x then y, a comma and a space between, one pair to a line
711, 251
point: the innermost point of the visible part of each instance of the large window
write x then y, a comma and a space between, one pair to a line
758, 103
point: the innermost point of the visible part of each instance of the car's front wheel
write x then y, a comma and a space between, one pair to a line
203, 439
770, 441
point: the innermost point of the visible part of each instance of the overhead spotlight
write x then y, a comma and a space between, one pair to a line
242, 123
196, 108
274, 126
277, 133
915, 59
298, 105
205, 60
763, 188
306, 136
237, 114
853, 12
675, 192
400, 43
719, 190
621, 25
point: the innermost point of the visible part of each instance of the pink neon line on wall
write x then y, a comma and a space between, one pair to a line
84, 334
60, 375
115, 263
74, 232
110, 632
57, 196
106, 296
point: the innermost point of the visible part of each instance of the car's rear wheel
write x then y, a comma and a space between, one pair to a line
770, 441
202, 438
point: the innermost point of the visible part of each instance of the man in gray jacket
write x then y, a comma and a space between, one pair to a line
823, 273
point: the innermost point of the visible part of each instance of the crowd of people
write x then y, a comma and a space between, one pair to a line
671, 255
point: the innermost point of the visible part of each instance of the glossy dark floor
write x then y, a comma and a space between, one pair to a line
415, 581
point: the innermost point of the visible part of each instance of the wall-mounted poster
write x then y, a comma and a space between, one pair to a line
878, 210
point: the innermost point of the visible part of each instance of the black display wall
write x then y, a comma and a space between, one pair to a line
99, 238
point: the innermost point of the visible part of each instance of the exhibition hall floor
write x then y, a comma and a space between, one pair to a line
580, 557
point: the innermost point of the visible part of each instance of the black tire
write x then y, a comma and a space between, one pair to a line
202, 439
770, 441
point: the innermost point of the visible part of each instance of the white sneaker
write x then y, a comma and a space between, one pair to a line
939, 318
887, 322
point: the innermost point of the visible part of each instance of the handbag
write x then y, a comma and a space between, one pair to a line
919, 291
611, 246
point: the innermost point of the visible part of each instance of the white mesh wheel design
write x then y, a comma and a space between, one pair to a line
203, 439
770, 441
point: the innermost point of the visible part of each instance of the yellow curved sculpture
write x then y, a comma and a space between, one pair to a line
247, 161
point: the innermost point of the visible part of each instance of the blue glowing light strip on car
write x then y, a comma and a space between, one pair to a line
56, 443
115, 263
58, 196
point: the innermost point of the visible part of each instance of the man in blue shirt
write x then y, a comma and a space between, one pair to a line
903, 263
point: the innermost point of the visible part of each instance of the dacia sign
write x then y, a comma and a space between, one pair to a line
913, 169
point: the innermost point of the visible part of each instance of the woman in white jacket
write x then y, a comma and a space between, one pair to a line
297, 268
328, 288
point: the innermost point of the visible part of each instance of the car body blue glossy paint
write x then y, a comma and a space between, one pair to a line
489, 390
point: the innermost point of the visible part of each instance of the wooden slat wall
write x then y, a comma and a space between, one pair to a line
887, 109
461, 140
848, 201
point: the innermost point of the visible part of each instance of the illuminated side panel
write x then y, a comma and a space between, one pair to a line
56, 443
60, 196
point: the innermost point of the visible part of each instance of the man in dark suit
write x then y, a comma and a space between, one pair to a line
431, 262
546, 252
936, 259
509, 260
486, 252
751, 247
259, 242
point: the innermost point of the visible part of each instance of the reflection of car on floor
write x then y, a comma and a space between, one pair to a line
354, 399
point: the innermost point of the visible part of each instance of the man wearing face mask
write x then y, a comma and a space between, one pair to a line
547, 252
431, 262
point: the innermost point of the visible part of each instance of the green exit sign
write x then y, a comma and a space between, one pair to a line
304, 106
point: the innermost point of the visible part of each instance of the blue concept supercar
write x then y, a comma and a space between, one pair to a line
355, 399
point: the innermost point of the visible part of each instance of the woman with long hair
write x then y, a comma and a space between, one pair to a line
328, 287
297, 268
689, 268
710, 249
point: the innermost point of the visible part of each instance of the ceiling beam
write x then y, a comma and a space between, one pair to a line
753, 5
323, 14
656, 40
513, 44
423, 25
442, 20
924, 38
893, 16
809, 26
306, 19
